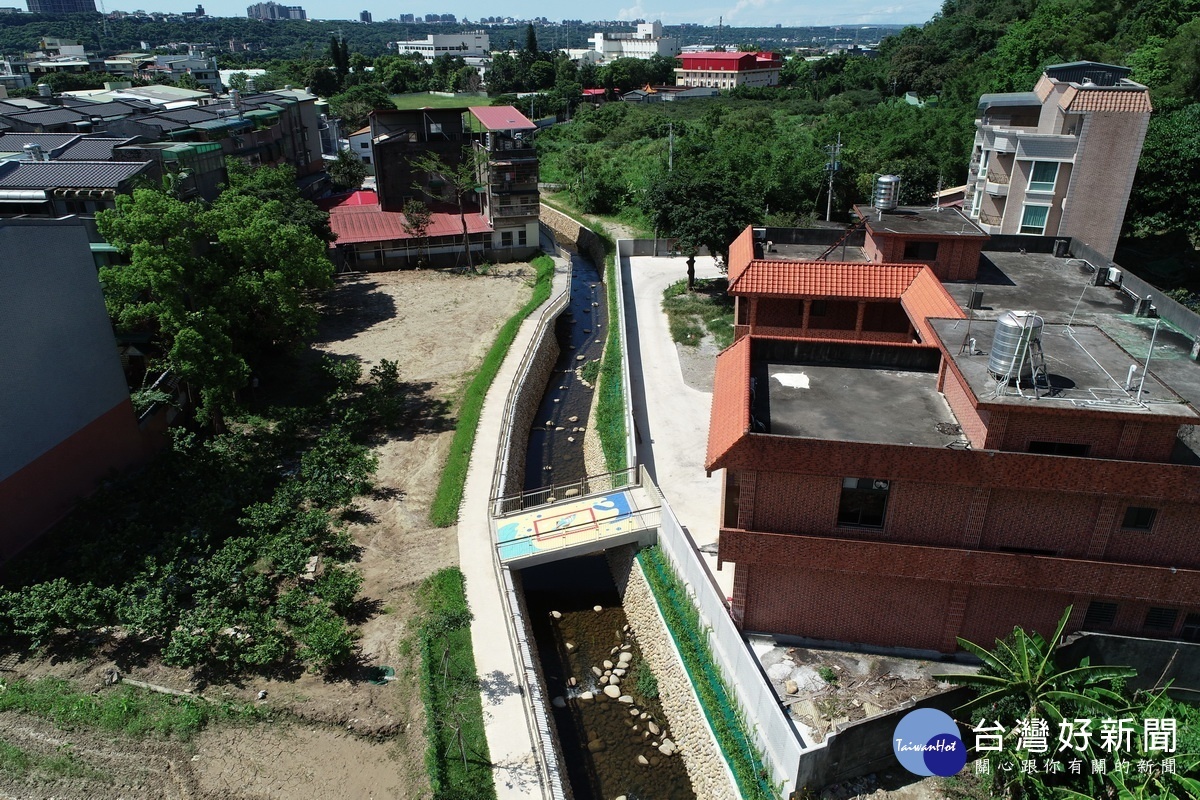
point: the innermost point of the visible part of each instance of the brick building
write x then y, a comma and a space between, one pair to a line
1060, 160
941, 237
883, 486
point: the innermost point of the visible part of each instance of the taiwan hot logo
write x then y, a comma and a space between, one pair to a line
927, 743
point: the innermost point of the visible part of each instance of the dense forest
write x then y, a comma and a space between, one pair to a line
760, 154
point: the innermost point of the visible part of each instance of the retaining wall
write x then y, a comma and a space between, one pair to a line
706, 767
542, 355
1158, 661
570, 232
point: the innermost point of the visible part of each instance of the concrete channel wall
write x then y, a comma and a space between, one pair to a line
710, 775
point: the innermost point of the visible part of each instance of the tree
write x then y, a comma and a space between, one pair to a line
278, 184
348, 171
416, 224
355, 105
218, 286
699, 208
531, 42
460, 180
339, 55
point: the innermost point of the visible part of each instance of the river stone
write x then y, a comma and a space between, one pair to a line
790, 687
620, 673
614, 680
608, 664
556, 614
666, 749
653, 726
570, 647
625, 657
655, 761
597, 608
612, 692
633, 712
558, 702
625, 698
613, 652
586, 696
645, 715
595, 746
597, 671
668, 743
572, 682
627, 646
645, 762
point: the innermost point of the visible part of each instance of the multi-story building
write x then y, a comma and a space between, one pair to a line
727, 70
1060, 160
904, 465
62, 6
68, 420
471, 43
646, 42
500, 218
271, 10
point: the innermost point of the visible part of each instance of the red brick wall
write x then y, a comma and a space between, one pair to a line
974, 422
1059, 522
992, 612
1170, 543
957, 257
44, 490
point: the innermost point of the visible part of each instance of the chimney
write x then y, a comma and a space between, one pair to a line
34, 152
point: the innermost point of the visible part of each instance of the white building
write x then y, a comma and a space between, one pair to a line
648, 41
475, 43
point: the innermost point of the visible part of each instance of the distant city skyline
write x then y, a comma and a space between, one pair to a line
736, 13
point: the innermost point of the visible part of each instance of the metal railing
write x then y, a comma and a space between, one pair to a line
997, 177
515, 211
590, 485
989, 219
571, 536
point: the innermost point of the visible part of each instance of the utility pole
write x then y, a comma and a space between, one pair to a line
670, 147
835, 152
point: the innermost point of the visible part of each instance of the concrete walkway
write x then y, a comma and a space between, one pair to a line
671, 417
506, 717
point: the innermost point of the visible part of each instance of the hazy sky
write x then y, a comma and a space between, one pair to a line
737, 13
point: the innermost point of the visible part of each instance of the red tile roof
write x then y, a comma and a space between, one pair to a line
502, 118
926, 298
741, 253
822, 279
730, 419
369, 223
363, 197
1106, 99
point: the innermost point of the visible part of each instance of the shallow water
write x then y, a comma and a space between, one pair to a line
601, 740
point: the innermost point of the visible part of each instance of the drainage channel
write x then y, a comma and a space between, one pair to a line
615, 740
554, 454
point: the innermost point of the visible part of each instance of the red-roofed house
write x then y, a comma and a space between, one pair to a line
727, 70
884, 485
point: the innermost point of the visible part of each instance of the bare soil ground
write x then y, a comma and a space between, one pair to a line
349, 738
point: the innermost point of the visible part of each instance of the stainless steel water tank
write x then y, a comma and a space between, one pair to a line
1014, 331
887, 192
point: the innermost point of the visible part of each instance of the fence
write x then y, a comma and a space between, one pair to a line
626, 389
773, 733
591, 484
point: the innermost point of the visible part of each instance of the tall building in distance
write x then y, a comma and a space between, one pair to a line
1060, 160
271, 10
364, 16
471, 43
62, 6
647, 41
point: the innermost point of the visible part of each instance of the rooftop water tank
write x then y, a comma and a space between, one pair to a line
1015, 330
887, 192
44, 90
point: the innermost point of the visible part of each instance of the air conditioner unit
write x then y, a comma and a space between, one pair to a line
1114, 276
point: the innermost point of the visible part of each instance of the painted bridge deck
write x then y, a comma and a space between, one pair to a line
576, 525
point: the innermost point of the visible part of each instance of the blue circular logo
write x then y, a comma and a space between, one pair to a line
927, 742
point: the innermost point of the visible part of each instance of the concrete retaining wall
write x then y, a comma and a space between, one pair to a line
1158, 661
543, 353
706, 766
570, 233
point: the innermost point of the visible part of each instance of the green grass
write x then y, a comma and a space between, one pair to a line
629, 216
590, 371
728, 724
423, 100
691, 314
456, 756
444, 510
16, 762
124, 710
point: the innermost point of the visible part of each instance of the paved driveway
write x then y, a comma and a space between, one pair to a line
671, 417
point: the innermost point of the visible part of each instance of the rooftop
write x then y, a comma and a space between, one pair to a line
68, 174
502, 118
358, 217
913, 220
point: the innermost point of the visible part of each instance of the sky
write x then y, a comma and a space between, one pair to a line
736, 13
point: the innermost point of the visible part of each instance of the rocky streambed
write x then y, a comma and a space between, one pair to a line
615, 739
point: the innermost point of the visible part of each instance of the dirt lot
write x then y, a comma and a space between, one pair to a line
350, 738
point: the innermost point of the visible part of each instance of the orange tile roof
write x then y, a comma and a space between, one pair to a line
822, 279
730, 419
925, 299
1106, 99
741, 253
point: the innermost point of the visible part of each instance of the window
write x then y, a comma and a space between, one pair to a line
1100, 616
1043, 176
1138, 518
364, 145
920, 251
1059, 449
366, 160
521, 238
976, 203
1161, 620
1190, 632
1033, 219
983, 163
863, 503
506, 239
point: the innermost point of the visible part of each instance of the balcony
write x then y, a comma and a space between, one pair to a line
997, 183
990, 222
515, 211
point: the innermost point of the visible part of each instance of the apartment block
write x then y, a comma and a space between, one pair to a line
1060, 160
900, 468
728, 70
